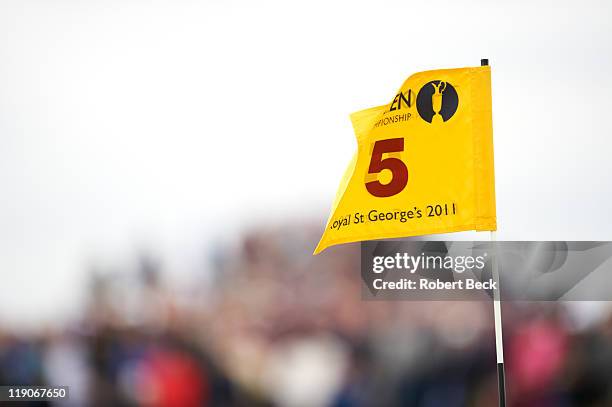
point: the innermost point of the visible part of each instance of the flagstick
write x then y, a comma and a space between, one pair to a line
499, 338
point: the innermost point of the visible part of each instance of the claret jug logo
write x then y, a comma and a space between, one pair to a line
437, 101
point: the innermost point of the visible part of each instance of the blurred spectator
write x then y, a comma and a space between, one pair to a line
276, 326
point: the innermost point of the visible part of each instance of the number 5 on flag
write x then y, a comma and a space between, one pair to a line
399, 171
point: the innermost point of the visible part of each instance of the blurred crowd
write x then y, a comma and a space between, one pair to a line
268, 324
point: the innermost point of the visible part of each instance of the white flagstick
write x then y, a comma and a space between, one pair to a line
499, 339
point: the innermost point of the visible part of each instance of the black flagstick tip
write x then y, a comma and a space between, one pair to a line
501, 383
484, 62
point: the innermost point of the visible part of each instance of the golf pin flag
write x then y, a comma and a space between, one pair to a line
424, 162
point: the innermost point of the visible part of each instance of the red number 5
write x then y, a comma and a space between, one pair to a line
398, 169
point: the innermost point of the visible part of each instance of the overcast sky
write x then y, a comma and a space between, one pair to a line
129, 124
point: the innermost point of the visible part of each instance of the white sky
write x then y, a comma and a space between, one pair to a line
126, 124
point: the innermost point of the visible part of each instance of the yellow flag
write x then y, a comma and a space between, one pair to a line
424, 162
